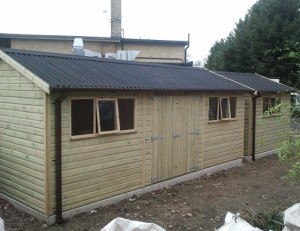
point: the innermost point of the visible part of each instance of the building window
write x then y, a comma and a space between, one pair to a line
82, 117
108, 119
225, 108
126, 113
271, 105
232, 107
102, 116
222, 108
213, 108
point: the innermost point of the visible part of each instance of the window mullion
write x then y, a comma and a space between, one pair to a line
229, 109
98, 116
117, 119
219, 114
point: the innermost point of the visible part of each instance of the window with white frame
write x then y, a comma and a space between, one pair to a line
107, 118
222, 108
102, 116
271, 105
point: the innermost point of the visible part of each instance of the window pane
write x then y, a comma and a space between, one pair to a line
213, 108
126, 113
273, 102
265, 105
233, 107
107, 115
278, 102
225, 108
82, 116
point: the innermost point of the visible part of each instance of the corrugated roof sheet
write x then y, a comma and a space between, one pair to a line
79, 72
257, 82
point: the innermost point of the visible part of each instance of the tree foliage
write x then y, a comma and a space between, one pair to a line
266, 41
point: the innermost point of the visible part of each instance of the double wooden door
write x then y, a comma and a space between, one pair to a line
176, 141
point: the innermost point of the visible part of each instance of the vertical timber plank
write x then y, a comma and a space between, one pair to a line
47, 141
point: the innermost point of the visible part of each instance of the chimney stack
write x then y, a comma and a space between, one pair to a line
116, 19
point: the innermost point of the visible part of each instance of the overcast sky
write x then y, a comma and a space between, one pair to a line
205, 20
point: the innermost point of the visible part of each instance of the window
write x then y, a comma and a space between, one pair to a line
222, 108
107, 116
225, 111
102, 116
213, 108
126, 113
271, 105
82, 116
232, 107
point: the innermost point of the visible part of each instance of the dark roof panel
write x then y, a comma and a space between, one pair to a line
256, 82
80, 72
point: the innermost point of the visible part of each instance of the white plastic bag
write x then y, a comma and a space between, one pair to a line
292, 218
1, 224
121, 224
235, 223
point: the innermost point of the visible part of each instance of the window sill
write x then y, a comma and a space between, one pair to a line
79, 137
220, 121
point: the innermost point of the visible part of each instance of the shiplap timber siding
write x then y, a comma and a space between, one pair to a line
271, 130
100, 167
22, 139
223, 141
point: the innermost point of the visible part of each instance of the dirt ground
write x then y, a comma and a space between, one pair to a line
200, 204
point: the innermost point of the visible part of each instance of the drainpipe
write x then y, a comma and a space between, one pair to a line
256, 95
58, 172
185, 49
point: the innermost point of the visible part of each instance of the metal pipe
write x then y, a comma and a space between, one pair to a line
185, 49
256, 95
58, 168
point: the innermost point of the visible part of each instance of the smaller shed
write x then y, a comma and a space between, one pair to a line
267, 112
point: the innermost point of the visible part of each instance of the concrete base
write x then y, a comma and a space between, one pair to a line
70, 213
28, 210
260, 155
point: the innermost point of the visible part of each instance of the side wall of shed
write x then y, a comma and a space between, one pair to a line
101, 167
22, 139
271, 130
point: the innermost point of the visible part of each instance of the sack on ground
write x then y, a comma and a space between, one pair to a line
121, 224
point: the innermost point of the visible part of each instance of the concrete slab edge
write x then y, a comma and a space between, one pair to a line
260, 155
26, 209
158, 186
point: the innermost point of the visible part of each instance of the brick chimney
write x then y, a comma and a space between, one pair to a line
116, 19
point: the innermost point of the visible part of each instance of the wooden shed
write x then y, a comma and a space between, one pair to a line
76, 131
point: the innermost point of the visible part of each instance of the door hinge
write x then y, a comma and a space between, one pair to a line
176, 136
153, 138
195, 132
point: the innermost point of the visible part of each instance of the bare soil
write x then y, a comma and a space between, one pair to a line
200, 204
